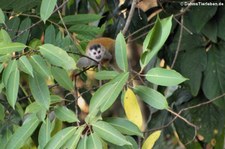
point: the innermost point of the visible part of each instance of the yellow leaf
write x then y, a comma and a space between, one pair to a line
132, 108
150, 141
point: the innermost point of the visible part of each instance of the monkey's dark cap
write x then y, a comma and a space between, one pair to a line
95, 47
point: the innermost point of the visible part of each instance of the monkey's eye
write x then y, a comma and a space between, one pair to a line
94, 53
99, 51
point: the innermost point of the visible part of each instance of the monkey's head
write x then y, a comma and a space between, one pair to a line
96, 52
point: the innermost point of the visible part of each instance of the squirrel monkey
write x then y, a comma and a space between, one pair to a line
99, 51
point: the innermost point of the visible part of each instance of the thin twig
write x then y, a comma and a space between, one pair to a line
179, 42
185, 28
131, 13
139, 30
185, 9
64, 25
186, 109
182, 118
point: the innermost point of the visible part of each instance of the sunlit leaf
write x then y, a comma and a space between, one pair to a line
164, 77
82, 143
60, 138
40, 66
47, 7
57, 56
155, 39
107, 94
62, 77
4, 36
109, 133
12, 65
12, 87
44, 133
151, 97
150, 141
93, 142
23, 133
132, 108
34, 107
25, 65
6, 48
106, 75
65, 114
124, 126
73, 141
2, 16
39, 90
121, 52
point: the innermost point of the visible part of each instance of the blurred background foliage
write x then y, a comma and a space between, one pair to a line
195, 48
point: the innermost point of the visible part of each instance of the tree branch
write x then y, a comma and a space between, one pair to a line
131, 13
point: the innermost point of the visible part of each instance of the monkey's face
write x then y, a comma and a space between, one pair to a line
96, 52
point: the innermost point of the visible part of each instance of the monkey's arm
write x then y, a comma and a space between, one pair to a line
84, 62
107, 56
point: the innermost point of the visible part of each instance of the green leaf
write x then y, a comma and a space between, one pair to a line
56, 99
26, 23
106, 75
62, 77
47, 7
124, 126
57, 56
93, 142
7, 48
73, 141
40, 66
153, 36
2, 16
221, 22
155, 39
210, 30
193, 69
60, 138
5, 137
107, 94
213, 82
151, 97
44, 133
109, 133
21, 135
209, 117
82, 143
12, 87
4, 36
8, 70
2, 112
65, 114
39, 90
34, 107
205, 13
25, 65
121, 52
164, 77
86, 29
13, 25
80, 19
50, 30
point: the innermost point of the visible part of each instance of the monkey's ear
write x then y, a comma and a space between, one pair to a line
84, 62
107, 55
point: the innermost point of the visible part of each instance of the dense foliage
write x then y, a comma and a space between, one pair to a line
169, 93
